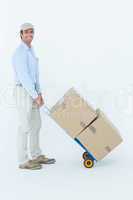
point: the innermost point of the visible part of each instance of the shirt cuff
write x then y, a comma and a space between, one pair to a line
35, 95
39, 93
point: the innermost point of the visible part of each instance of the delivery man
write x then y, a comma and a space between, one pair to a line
29, 99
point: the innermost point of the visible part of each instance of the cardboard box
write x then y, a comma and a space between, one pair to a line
101, 137
73, 113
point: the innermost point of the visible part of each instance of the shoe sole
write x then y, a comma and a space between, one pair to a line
47, 163
34, 168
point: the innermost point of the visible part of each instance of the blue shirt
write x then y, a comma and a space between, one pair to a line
26, 72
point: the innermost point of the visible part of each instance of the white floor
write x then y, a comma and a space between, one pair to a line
111, 178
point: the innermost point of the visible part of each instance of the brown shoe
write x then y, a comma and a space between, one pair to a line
42, 159
30, 164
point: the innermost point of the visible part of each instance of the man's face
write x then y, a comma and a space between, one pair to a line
27, 35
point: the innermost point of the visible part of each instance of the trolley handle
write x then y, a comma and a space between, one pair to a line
46, 110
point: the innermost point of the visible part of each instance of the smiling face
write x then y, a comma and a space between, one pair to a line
27, 36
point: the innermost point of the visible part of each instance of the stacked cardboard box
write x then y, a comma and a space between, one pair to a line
92, 128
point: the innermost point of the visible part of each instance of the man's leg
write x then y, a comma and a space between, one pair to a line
22, 142
24, 107
35, 150
34, 134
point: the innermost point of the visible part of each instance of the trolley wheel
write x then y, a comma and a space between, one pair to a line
85, 155
88, 163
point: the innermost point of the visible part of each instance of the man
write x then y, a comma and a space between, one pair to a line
28, 101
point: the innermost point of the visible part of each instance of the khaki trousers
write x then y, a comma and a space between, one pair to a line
29, 124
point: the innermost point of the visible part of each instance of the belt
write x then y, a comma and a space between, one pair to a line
19, 84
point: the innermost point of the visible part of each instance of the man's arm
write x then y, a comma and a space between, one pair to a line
21, 67
38, 89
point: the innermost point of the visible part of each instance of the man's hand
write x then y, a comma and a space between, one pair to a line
39, 100
42, 100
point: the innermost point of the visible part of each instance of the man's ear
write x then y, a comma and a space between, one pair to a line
21, 33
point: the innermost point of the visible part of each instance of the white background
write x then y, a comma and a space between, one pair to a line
88, 45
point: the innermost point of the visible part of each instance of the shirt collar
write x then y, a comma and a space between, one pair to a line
26, 46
